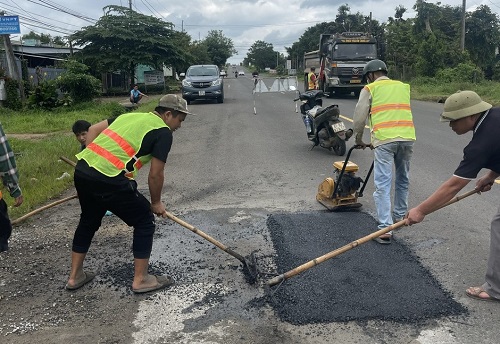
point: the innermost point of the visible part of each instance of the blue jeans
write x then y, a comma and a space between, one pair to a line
399, 154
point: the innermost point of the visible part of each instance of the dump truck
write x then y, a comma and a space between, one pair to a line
340, 60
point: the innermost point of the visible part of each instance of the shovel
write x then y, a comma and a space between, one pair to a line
325, 257
249, 263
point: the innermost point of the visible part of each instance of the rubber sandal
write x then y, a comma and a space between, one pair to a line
383, 241
474, 294
161, 283
89, 276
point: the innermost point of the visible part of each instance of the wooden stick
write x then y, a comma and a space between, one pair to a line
205, 236
325, 257
66, 160
36, 211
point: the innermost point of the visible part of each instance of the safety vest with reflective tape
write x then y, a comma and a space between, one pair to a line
312, 84
117, 145
390, 113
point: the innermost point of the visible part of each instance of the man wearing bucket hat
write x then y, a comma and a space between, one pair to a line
466, 111
385, 104
104, 179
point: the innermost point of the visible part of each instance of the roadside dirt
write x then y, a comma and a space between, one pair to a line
35, 307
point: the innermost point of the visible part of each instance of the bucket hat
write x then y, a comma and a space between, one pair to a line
463, 104
174, 102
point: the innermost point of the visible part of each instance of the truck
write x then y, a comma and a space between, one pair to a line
340, 60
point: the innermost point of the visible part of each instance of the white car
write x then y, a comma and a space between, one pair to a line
223, 73
241, 72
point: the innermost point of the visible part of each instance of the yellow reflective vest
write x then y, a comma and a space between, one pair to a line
117, 145
311, 83
390, 112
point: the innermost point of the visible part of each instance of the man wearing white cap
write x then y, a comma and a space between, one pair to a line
104, 179
466, 111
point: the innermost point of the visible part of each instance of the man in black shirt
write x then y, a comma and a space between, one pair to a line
104, 179
466, 111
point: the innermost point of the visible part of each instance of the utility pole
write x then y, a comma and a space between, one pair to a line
13, 71
130, 4
462, 36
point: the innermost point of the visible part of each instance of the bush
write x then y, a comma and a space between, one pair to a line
464, 72
13, 100
76, 83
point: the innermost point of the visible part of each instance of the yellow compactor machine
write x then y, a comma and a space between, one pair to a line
342, 192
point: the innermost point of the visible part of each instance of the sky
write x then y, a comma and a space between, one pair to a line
279, 22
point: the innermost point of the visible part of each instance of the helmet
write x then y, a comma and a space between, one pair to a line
374, 66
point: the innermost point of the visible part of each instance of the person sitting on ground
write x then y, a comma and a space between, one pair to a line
136, 95
80, 129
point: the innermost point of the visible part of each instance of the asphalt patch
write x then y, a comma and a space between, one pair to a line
372, 281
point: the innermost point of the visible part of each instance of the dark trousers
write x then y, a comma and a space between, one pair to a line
123, 201
5, 225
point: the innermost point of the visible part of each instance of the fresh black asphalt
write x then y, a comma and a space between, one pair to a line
371, 281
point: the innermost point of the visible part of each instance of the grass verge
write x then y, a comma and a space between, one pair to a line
39, 137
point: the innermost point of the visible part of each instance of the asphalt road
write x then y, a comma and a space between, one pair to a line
230, 169
244, 173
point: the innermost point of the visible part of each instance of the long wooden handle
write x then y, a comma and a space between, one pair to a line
36, 211
205, 236
66, 160
316, 261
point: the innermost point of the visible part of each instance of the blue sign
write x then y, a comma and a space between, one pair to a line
9, 25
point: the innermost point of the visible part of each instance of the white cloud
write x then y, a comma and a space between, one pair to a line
279, 22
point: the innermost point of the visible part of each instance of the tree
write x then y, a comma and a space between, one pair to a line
43, 38
219, 47
261, 55
123, 38
482, 37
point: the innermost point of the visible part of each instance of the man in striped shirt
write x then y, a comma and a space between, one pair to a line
10, 179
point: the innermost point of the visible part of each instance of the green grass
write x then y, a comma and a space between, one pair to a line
37, 157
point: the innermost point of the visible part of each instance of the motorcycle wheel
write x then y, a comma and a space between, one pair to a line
339, 148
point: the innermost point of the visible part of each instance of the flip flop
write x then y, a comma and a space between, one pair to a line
89, 276
161, 283
474, 294
383, 241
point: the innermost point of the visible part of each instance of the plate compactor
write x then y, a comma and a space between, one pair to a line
342, 193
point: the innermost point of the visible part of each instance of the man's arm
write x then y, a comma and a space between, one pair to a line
443, 194
361, 113
155, 182
95, 130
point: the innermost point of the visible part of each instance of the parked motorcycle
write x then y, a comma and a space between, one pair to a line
323, 125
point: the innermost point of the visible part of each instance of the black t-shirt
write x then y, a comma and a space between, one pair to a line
483, 151
157, 142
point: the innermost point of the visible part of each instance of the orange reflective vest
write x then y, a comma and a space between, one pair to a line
117, 145
390, 112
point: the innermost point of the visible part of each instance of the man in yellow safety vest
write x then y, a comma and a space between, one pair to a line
312, 80
104, 179
385, 103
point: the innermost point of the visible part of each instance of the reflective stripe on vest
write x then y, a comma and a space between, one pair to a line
390, 113
118, 144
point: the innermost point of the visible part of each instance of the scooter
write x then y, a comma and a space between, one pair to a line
323, 125
236, 74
